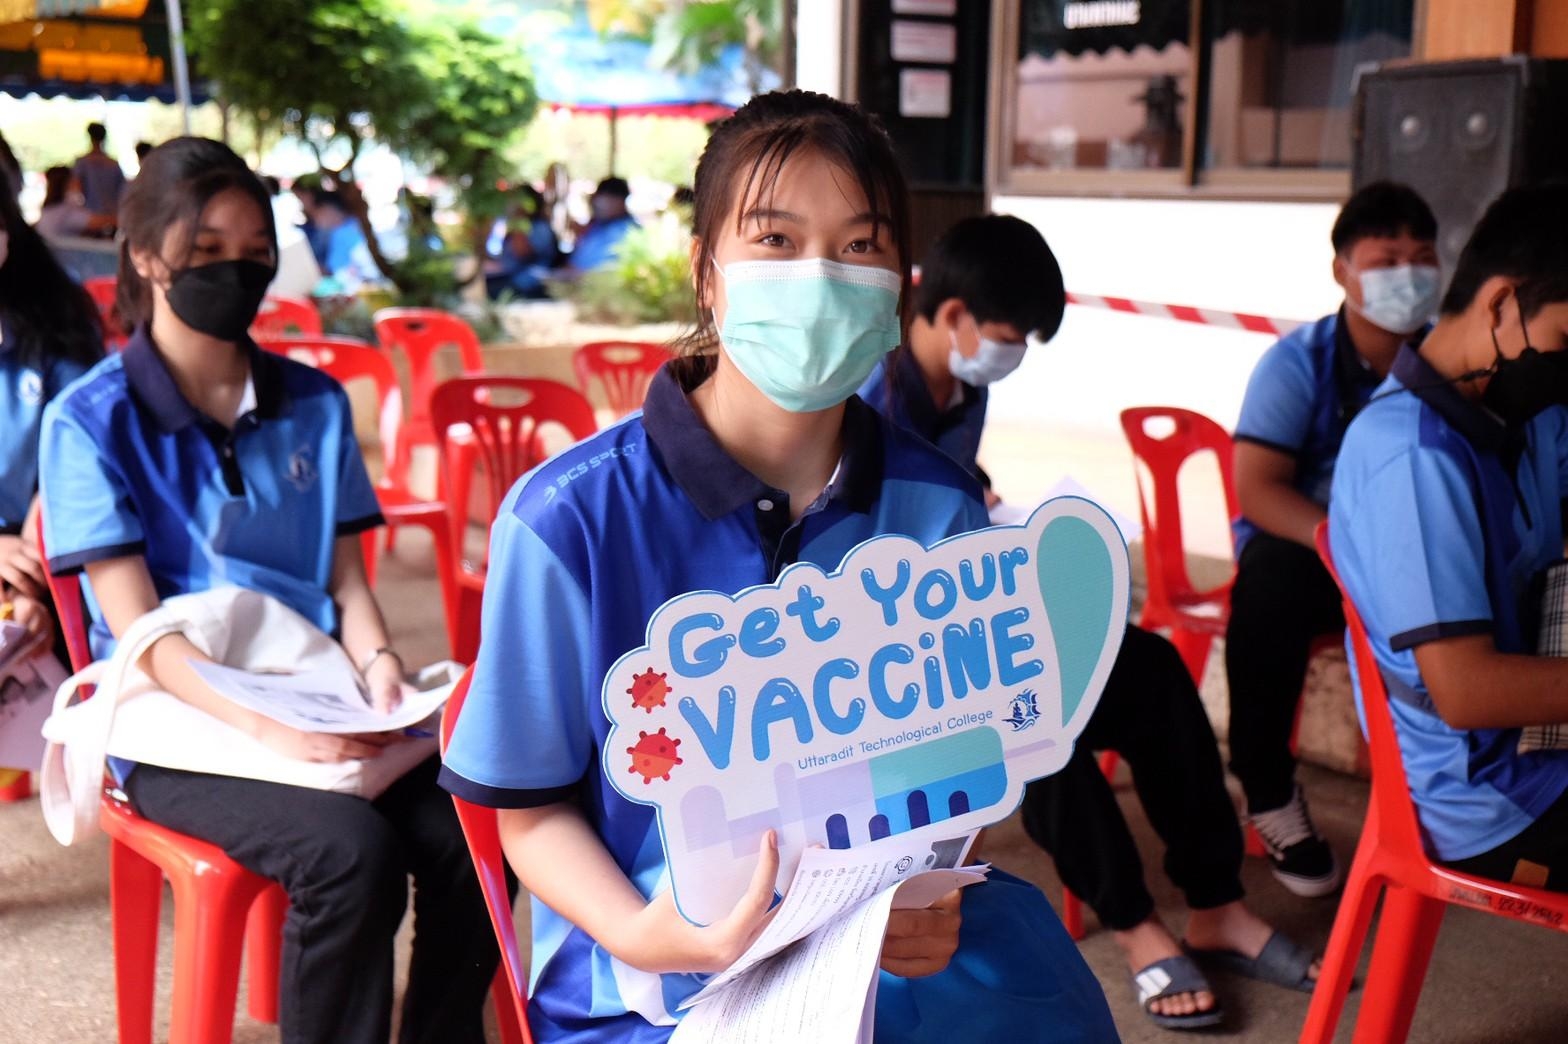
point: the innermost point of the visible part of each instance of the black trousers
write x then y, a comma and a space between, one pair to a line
344, 863
1283, 598
1537, 857
1151, 715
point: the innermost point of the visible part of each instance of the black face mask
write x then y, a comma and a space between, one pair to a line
220, 299
1523, 386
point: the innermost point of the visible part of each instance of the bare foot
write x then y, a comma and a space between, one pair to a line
1232, 927
1150, 942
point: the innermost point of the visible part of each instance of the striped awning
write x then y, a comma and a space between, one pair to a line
34, 10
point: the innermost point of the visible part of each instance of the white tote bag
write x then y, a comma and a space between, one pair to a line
130, 717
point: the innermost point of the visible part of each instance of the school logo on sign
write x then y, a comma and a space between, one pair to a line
911, 691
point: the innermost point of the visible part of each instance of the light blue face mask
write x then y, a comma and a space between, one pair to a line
1401, 299
992, 361
807, 333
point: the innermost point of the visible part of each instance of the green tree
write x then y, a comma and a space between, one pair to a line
337, 74
689, 34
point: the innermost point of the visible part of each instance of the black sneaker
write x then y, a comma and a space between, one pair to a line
1302, 861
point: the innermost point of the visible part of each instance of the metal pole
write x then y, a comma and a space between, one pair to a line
182, 72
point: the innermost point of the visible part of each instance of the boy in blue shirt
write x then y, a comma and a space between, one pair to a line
1300, 398
1446, 509
988, 283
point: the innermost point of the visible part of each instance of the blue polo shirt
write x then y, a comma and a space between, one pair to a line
587, 546
129, 467
897, 389
1302, 394
1441, 519
27, 384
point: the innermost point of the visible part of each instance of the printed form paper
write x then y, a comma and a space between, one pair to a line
829, 882
319, 701
821, 988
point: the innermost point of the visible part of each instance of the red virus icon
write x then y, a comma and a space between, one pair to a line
648, 690
654, 755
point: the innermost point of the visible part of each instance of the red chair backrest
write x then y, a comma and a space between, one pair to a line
1390, 790
348, 359
104, 291
284, 317
66, 591
509, 418
1163, 455
624, 368
483, 834
419, 333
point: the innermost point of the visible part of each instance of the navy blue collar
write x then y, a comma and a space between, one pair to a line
153, 385
925, 418
717, 483
1482, 429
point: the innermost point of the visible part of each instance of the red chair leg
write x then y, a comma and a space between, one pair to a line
208, 942
135, 895
19, 787
1406, 933
505, 1009
1194, 649
1342, 955
264, 952
1072, 914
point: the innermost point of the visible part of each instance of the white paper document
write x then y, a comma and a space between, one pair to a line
821, 987
29, 676
829, 882
321, 701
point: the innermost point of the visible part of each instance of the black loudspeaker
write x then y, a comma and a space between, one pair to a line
1460, 133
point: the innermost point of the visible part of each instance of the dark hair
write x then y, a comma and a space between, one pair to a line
742, 163
1003, 271
1382, 209
57, 182
273, 185
325, 197
613, 186
142, 149
1524, 236
176, 182
45, 310
96, 132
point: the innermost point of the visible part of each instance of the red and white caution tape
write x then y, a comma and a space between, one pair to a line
1188, 314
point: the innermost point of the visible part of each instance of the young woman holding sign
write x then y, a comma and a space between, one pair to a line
751, 453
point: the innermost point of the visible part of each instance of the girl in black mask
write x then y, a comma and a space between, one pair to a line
193, 459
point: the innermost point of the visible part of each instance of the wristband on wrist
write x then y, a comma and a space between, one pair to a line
385, 650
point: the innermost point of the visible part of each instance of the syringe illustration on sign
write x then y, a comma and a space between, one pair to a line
911, 691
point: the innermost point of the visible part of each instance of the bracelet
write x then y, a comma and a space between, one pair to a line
385, 650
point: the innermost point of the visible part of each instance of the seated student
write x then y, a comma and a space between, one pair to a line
987, 284
1447, 507
345, 253
751, 453
524, 251
599, 243
63, 213
193, 458
49, 336
1305, 390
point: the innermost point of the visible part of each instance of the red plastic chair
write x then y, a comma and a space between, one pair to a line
286, 317
348, 359
504, 423
219, 907
624, 368
1391, 860
419, 333
1194, 617
484, 845
103, 290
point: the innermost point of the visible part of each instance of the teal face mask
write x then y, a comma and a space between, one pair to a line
808, 333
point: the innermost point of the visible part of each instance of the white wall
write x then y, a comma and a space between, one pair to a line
819, 46
1057, 417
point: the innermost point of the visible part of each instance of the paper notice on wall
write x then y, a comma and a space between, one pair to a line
925, 93
931, 43
926, 7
